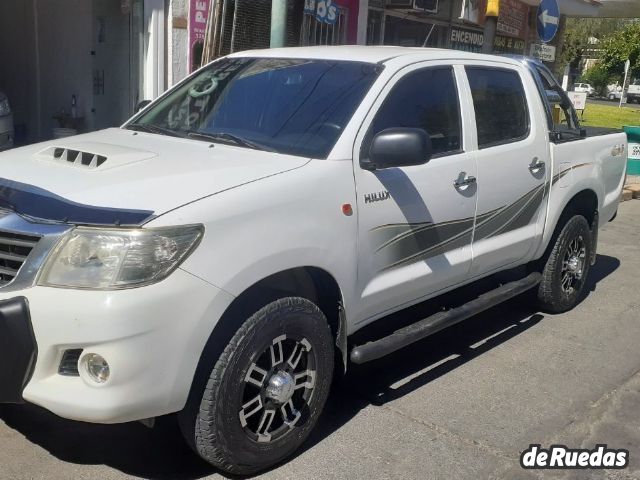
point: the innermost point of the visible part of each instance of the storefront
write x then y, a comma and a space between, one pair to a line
409, 23
456, 24
81, 65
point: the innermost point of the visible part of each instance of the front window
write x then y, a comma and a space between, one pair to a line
291, 106
425, 99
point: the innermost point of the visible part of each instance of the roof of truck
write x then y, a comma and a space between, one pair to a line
368, 54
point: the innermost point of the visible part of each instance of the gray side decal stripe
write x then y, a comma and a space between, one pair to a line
435, 239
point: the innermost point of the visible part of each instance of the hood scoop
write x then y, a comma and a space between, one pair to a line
92, 156
78, 158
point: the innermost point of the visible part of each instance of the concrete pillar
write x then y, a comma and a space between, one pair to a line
363, 22
278, 23
490, 25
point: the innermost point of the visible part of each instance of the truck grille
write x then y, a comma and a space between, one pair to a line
14, 250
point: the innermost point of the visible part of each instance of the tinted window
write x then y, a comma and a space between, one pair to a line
425, 99
500, 105
290, 106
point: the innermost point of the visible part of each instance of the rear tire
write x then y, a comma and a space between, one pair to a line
566, 268
267, 389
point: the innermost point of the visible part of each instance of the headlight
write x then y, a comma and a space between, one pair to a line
5, 109
104, 259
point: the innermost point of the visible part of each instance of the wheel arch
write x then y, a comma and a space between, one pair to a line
585, 203
312, 283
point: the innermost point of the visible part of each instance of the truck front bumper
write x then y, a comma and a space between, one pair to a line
151, 337
17, 349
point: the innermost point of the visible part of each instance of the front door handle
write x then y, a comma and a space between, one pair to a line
536, 165
463, 182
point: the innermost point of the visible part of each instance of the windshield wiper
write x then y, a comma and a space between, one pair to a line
150, 128
228, 138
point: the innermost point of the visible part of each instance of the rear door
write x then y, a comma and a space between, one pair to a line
415, 225
513, 165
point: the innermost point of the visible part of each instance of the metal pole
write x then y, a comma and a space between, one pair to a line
278, 23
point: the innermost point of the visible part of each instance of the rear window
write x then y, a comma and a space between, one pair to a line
500, 105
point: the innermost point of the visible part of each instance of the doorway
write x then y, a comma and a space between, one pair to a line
117, 54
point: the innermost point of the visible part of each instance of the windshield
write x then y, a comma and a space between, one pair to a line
293, 106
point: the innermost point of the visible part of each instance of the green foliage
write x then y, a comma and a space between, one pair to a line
577, 33
599, 77
622, 45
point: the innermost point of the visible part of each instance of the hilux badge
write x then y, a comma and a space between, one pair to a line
376, 197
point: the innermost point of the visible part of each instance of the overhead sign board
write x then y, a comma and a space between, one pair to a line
546, 53
548, 20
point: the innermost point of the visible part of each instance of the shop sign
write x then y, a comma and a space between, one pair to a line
198, 15
508, 45
464, 39
546, 53
472, 41
326, 11
513, 18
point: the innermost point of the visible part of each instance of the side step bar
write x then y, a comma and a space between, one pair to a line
441, 320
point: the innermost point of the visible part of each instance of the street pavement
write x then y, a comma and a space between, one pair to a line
462, 404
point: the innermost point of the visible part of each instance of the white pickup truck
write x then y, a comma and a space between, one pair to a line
215, 255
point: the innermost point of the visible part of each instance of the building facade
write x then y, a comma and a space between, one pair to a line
105, 56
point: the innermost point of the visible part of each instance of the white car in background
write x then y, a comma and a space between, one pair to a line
614, 91
6, 123
584, 88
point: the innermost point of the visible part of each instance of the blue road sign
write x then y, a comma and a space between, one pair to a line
548, 20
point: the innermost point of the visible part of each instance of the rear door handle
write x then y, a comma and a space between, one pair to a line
536, 165
463, 182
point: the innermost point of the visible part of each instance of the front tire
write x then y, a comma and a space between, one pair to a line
267, 389
567, 266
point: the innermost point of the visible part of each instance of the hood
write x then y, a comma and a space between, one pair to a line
122, 177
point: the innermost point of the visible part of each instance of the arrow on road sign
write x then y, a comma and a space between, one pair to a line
545, 18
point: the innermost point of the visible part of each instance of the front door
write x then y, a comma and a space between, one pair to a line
513, 166
415, 223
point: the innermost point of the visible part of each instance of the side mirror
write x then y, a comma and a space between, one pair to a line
399, 147
142, 104
553, 97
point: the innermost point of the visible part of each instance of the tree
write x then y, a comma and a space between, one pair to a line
620, 46
598, 77
577, 33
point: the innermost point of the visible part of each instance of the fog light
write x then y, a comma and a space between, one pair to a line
97, 368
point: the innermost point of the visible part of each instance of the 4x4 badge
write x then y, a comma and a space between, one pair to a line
376, 197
